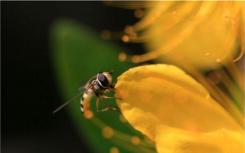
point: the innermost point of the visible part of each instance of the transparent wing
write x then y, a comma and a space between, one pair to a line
84, 87
66, 103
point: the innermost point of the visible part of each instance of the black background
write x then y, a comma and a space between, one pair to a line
29, 89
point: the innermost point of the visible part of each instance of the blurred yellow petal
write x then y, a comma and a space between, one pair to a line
156, 96
203, 34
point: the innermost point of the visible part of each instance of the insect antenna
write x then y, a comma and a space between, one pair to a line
66, 103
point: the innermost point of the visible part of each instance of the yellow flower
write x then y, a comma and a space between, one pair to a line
203, 34
176, 112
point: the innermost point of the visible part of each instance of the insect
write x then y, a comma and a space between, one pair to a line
98, 86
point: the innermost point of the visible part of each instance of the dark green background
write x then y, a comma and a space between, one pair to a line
35, 80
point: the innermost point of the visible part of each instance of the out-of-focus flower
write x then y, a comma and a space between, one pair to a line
177, 112
180, 114
203, 34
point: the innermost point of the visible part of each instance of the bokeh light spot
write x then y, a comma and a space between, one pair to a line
125, 38
122, 56
139, 13
88, 114
114, 150
107, 132
135, 140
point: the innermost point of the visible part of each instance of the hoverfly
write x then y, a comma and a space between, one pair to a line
98, 86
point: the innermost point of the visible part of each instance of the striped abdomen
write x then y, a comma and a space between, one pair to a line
85, 102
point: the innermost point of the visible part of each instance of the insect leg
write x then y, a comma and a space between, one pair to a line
110, 107
97, 104
106, 97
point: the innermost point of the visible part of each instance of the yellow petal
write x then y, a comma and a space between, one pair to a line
171, 140
163, 95
202, 34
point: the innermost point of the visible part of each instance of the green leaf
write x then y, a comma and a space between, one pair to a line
78, 54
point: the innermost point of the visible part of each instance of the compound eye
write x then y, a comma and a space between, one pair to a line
103, 80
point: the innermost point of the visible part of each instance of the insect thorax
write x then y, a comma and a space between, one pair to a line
94, 88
